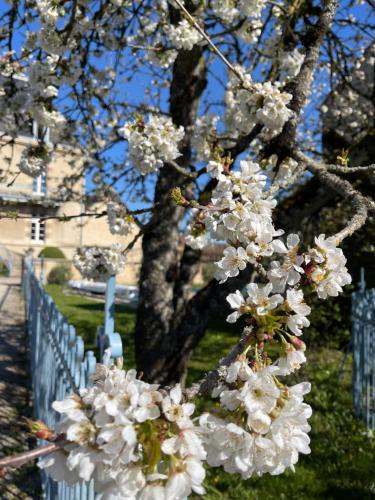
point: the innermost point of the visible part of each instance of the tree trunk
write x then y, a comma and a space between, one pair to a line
161, 266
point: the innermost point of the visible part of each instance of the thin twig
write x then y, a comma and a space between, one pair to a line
16, 461
350, 170
210, 42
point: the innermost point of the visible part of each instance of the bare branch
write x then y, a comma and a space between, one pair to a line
350, 170
361, 204
206, 386
17, 461
182, 170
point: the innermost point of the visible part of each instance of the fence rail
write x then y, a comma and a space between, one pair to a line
59, 363
363, 344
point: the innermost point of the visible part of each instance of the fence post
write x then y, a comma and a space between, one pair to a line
42, 270
109, 310
106, 338
362, 282
363, 345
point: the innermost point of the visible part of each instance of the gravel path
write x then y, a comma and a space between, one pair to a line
14, 392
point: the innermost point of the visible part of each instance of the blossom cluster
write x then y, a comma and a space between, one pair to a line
263, 424
35, 159
98, 263
230, 11
266, 426
119, 220
136, 440
184, 35
240, 213
153, 142
249, 104
326, 268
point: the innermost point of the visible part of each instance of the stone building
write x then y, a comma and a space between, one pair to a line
24, 200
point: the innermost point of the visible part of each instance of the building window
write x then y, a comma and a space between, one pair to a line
40, 185
38, 229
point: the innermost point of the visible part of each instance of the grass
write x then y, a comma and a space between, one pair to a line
86, 314
342, 462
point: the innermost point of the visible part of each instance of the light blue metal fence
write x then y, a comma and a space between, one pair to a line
59, 363
363, 345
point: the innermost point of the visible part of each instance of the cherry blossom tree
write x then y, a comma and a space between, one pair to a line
226, 124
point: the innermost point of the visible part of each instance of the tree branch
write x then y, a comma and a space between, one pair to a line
16, 461
361, 204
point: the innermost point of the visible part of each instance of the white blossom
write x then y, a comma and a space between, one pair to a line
119, 221
153, 143
99, 263
290, 362
290, 271
261, 299
234, 261
252, 103
113, 428
326, 267
35, 160
184, 35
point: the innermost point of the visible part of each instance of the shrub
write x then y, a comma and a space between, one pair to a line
59, 275
52, 253
4, 271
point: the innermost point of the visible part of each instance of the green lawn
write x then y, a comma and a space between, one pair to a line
342, 462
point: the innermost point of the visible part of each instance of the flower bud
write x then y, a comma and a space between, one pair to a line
298, 344
40, 430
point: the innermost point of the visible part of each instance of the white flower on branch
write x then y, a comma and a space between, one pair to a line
119, 221
35, 160
234, 261
290, 362
259, 103
153, 143
271, 425
184, 35
174, 410
121, 428
290, 271
99, 263
262, 300
326, 267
